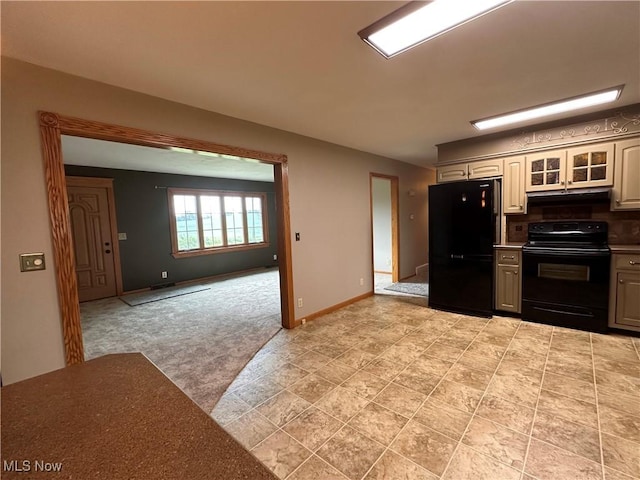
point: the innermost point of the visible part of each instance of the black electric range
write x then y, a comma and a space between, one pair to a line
565, 279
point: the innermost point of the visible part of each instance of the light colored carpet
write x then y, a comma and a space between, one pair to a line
201, 341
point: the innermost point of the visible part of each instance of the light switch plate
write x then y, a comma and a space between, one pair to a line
30, 262
122, 236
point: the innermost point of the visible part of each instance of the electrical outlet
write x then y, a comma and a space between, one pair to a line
300, 302
275, 257
164, 274
303, 321
362, 281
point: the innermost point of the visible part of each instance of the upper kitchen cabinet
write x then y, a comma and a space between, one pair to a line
580, 167
626, 183
546, 171
590, 166
470, 171
452, 173
485, 169
513, 195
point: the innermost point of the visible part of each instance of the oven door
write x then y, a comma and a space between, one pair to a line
566, 287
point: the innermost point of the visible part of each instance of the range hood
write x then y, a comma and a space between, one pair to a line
575, 195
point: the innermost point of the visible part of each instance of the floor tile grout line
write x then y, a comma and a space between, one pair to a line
386, 448
427, 398
344, 424
535, 410
595, 388
484, 393
416, 329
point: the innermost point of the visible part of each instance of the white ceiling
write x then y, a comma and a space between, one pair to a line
100, 153
300, 66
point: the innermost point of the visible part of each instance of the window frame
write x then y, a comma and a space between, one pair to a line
197, 192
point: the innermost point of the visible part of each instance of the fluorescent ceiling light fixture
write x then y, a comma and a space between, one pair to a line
561, 106
416, 23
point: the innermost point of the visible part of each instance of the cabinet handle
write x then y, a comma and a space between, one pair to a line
520, 206
631, 262
561, 182
510, 257
617, 202
621, 281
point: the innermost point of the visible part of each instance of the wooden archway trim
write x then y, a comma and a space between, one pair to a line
53, 126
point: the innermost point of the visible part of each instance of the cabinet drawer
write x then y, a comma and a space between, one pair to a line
627, 262
508, 257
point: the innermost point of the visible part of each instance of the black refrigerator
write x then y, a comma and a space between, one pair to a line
464, 225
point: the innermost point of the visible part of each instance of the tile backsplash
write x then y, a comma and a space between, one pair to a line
624, 227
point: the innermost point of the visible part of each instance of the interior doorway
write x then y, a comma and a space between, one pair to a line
384, 228
53, 126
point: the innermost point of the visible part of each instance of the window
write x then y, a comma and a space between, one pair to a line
209, 221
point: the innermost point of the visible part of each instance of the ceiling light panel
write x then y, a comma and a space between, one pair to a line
561, 106
414, 24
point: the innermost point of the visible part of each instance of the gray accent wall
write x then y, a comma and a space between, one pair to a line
142, 212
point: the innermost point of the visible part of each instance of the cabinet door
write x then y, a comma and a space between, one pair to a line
590, 166
626, 184
546, 171
628, 299
485, 169
508, 288
513, 196
452, 173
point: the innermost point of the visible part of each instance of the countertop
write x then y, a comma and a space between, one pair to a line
509, 245
625, 248
115, 417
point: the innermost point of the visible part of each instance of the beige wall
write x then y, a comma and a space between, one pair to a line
329, 193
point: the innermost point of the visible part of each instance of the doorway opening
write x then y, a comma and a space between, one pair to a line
52, 128
384, 221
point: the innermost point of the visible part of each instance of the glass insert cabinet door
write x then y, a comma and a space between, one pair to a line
546, 170
590, 166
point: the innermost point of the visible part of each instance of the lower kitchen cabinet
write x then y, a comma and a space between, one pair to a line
508, 280
624, 311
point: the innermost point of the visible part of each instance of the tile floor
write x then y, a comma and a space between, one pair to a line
390, 389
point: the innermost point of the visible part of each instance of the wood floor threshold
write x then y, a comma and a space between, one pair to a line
333, 308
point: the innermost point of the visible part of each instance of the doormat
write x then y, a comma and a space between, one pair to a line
136, 299
421, 289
